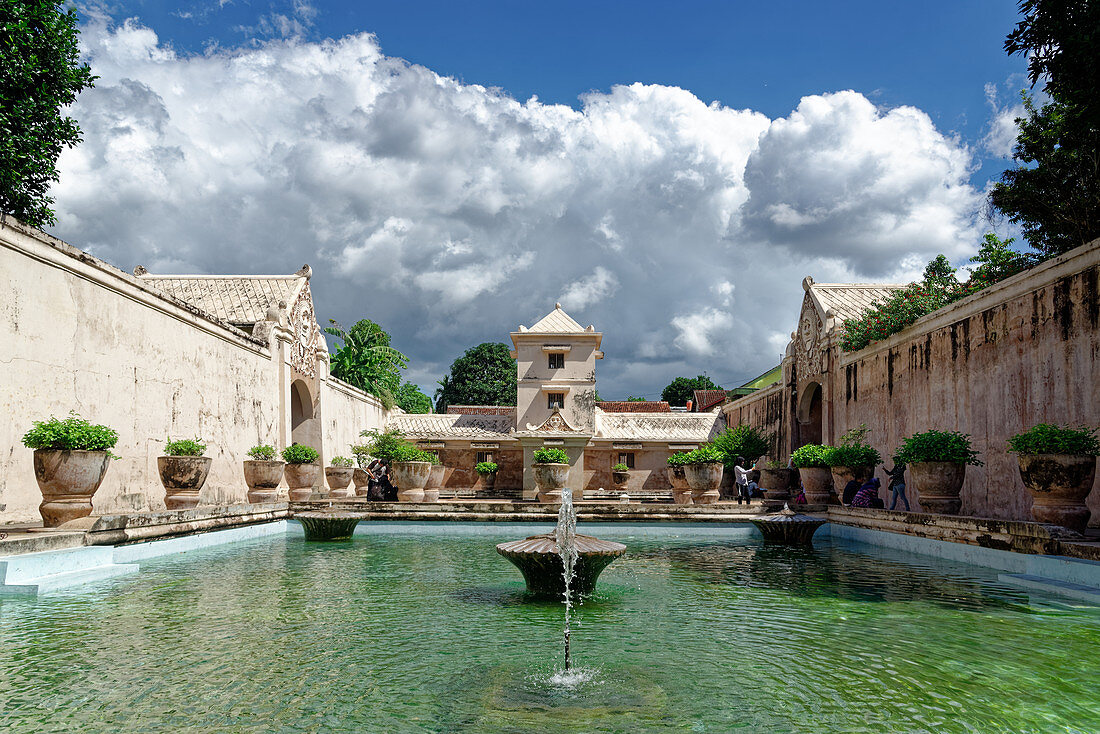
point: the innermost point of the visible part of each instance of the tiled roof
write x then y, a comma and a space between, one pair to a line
772, 376
444, 425
849, 300
707, 399
238, 299
481, 410
557, 322
685, 427
633, 406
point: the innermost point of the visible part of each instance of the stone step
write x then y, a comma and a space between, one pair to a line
37, 573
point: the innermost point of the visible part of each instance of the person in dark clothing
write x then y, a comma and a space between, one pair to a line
867, 496
897, 484
849, 492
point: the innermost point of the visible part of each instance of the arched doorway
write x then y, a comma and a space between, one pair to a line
809, 414
305, 428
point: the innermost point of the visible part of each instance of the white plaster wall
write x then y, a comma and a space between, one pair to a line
345, 412
77, 334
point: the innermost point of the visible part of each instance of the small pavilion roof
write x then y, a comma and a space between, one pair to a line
237, 299
707, 399
448, 425
556, 322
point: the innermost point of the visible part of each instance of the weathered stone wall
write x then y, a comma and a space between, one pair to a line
461, 460
650, 472
768, 410
80, 335
345, 412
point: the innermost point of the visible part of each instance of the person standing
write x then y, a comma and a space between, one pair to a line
897, 484
744, 485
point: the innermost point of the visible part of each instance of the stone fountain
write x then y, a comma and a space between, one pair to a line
328, 525
788, 526
539, 560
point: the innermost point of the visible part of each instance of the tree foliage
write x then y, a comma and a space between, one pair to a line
40, 73
1053, 193
484, 375
682, 389
409, 398
367, 361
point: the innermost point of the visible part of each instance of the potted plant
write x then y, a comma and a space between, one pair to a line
302, 471
812, 463
937, 463
703, 469
854, 459
360, 477
681, 492
263, 473
410, 469
435, 479
1058, 467
183, 471
487, 470
338, 476
70, 459
620, 475
775, 480
551, 469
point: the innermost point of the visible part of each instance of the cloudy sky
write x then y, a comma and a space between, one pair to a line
667, 171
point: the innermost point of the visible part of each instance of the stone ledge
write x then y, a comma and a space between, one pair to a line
142, 526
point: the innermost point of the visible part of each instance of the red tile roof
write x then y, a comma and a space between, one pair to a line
481, 409
707, 399
633, 406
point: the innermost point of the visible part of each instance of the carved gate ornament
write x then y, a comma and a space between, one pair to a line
303, 324
556, 423
809, 357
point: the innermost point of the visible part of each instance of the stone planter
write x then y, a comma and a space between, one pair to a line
262, 478
362, 482
67, 480
183, 477
816, 483
435, 483
681, 492
300, 478
776, 483
938, 484
338, 479
1059, 484
844, 474
550, 479
619, 479
705, 481
488, 482
410, 478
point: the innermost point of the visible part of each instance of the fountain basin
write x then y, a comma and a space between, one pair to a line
328, 525
788, 527
538, 560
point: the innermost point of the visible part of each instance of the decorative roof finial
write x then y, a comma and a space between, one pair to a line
557, 306
305, 271
140, 271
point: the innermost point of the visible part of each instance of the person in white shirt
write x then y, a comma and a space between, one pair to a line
745, 486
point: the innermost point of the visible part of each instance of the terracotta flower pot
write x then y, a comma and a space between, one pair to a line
705, 481
1059, 485
338, 479
620, 478
183, 477
435, 483
776, 483
817, 482
488, 482
362, 482
262, 478
550, 479
844, 474
410, 478
301, 478
67, 480
938, 484
681, 492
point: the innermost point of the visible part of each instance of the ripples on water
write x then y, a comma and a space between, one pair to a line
411, 633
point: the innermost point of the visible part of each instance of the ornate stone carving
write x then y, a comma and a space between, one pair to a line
303, 325
809, 357
556, 423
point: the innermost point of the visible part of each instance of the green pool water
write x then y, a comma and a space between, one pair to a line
416, 633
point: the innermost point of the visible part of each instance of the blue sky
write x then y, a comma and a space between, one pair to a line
709, 157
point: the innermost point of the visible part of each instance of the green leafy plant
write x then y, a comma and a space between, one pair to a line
620, 468
705, 454
263, 452
776, 465
677, 459
367, 361
299, 454
746, 442
934, 445
811, 455
383, 445
484, 468
341, 461
1045, 438
184, 447
71, 434
551, 456
853, 449
408, 452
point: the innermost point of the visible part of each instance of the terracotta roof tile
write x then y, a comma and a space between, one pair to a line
633, 406
481, 410
707, 399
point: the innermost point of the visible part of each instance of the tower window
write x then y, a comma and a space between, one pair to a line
627, 459
484, 456
555, 400
557, 361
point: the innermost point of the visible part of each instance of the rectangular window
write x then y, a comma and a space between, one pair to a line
484, 456
555, 400
557, 361
627, 459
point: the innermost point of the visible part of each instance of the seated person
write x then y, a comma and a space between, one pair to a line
849, 492
867, 496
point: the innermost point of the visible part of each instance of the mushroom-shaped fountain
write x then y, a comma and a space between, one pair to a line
539, 561
328, 525
788, 526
